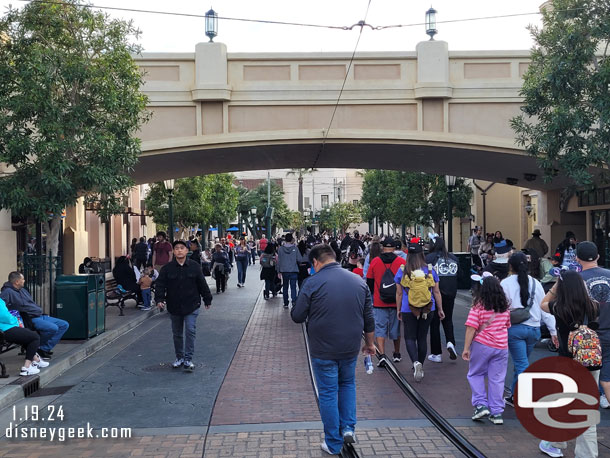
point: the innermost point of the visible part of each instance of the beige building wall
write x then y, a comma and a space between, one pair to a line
504, 211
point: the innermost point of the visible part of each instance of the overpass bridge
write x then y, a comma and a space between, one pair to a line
430, 110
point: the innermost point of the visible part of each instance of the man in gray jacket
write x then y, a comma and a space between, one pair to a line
288, 268
338, 308
18, 298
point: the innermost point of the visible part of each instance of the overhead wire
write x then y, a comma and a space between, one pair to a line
349, 67
299, 24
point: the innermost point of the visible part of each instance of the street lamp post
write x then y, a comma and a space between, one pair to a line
450, 182
253, 214
169, 186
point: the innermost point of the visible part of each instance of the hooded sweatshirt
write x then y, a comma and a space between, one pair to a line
287, 258
20, 300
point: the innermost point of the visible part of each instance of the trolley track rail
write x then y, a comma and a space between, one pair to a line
446, 429
348, 450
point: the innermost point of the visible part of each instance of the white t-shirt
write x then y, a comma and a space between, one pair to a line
512, 291
569, 257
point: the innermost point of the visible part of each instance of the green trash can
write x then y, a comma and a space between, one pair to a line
465, 265
76, 298
100, 281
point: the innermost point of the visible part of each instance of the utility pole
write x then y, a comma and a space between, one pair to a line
268, 212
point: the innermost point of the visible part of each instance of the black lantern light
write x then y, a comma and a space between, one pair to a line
431, 23
211, 24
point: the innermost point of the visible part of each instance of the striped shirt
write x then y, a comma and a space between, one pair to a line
495, 334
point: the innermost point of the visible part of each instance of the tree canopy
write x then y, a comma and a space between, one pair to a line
411, 198
257, 197
565, 123
197, 201
70, 107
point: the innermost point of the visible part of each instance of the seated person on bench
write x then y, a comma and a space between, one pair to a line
125, 276
10, 326
18, 298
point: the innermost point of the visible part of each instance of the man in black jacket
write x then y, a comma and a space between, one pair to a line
181, 285
337, 306
140, 253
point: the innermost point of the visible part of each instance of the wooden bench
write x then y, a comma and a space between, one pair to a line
116, 298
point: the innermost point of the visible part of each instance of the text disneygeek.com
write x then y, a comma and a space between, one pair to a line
60, 434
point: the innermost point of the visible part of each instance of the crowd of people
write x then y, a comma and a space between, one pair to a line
387, 287
517, 297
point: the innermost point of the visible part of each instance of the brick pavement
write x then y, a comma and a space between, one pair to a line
381, 442
167, 446
269, 379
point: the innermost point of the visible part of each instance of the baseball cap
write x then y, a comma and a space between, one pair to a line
586, 251
388, 242
179, 242
415, 245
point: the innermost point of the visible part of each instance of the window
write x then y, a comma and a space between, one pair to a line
306, 203
324, 200
355, 201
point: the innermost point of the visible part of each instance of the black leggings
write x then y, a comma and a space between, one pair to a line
416, 336
24, 337
221, 281
435, 326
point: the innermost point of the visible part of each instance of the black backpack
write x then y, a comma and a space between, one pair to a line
387, 287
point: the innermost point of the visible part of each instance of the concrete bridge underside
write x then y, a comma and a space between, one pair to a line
342, 149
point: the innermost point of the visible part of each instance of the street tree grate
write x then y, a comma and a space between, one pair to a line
52, 391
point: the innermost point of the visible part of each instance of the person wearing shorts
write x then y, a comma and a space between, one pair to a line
386, 318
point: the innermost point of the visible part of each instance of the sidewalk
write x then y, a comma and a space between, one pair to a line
67, 353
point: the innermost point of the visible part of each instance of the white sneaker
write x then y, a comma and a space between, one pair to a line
178, 363
349, 437
603, 402
451, 350
553, 452
418, 371
435, 358
325, 448
40, 363
32, 370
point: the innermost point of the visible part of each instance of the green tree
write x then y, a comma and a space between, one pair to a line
344, 214
376, 193
257, 197
565, 123
70, 106
412, 198
204, 200
223, 198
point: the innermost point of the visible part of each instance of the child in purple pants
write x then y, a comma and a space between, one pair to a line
486, 347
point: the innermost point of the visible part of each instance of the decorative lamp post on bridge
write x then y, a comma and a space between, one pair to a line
430, 23
169, 186
211, 24
450, 182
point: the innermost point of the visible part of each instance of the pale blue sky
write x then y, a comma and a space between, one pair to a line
172, 33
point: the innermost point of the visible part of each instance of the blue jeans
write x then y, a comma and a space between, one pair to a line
290, 277
146, 297
521, 341
242, 267
336, 379
184, 347
51, 330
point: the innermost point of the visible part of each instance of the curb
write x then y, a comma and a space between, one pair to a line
10, 394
